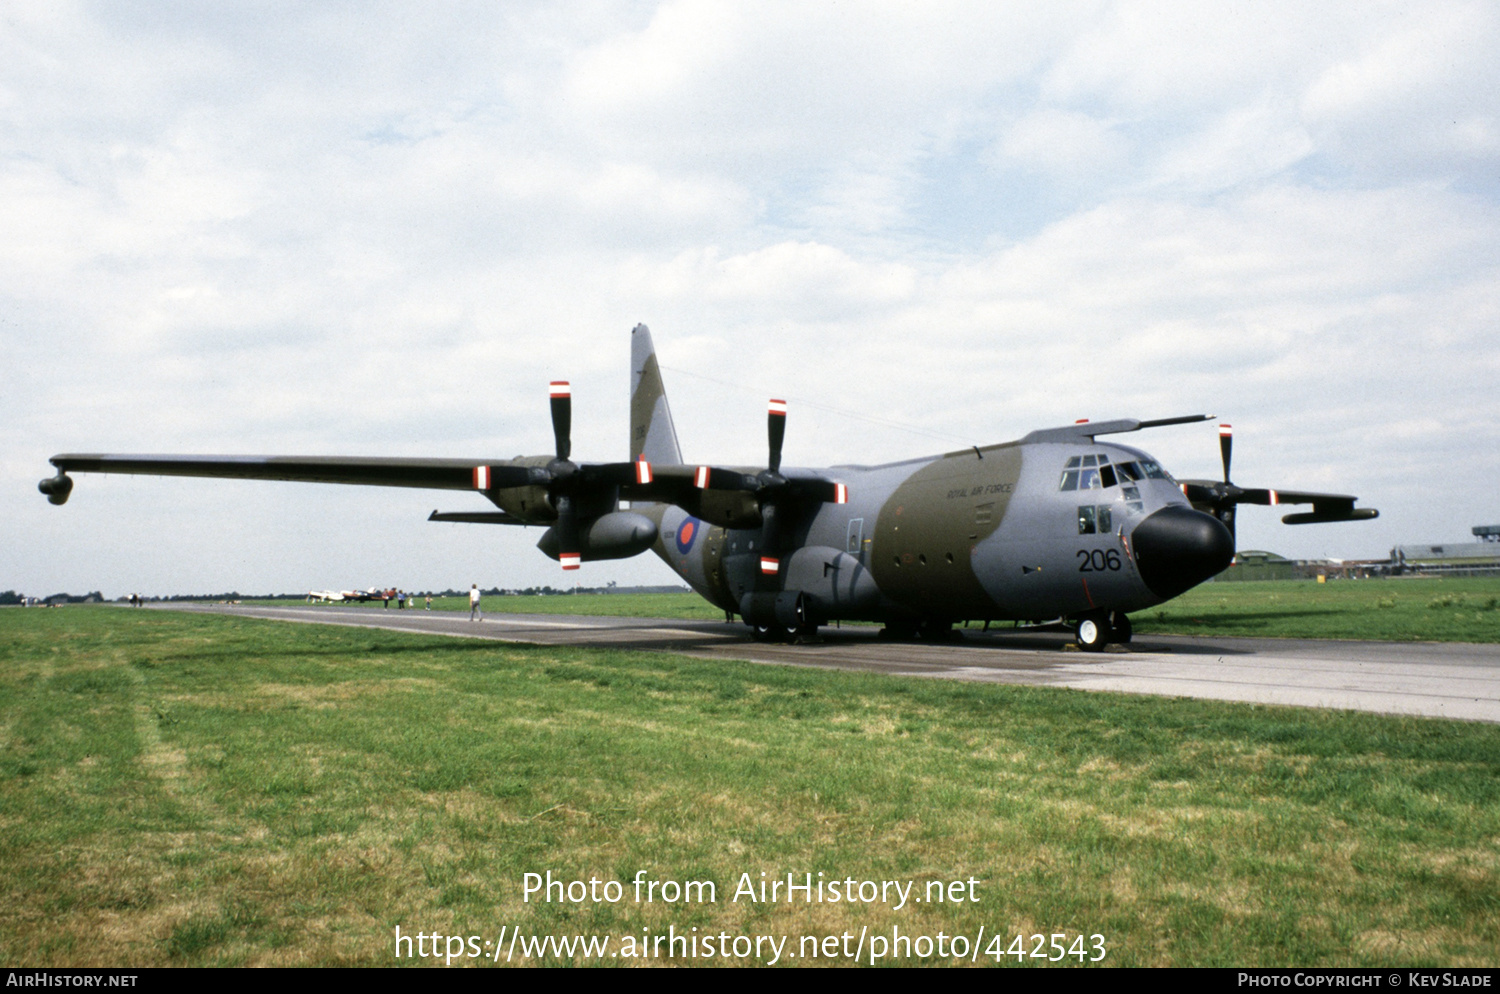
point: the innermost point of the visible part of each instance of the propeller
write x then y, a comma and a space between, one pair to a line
771, 489
574, 490
771, 481
1221, 498
582, 490
1225, 510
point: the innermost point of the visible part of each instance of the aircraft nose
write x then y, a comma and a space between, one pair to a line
1178, 548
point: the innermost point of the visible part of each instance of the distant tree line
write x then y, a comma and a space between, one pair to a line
93, 597
10, 597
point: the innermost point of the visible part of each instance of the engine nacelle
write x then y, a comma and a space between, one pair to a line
617, 535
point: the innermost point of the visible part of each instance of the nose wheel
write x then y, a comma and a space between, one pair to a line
1094, 631
1091, 633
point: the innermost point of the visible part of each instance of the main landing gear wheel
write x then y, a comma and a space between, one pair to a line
792, 635
1119, 626
1091, 633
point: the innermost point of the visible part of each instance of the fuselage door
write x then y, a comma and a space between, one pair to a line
854, 539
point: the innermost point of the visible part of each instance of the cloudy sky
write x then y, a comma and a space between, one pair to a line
380, 229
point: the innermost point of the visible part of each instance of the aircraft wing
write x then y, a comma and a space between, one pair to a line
438, 474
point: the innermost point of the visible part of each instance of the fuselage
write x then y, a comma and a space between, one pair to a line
1017, 531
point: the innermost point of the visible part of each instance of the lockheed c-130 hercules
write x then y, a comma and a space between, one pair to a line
1055, 525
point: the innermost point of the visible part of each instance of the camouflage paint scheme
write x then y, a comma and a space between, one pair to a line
978, 534
1002, 532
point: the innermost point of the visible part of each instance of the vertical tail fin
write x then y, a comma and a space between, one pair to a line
652, 434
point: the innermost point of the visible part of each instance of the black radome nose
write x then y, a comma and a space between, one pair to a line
1178, 548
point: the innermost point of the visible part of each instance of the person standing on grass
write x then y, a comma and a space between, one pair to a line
474, 602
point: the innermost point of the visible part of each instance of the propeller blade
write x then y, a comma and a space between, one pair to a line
776, 430
504, 477
566, 530
718, 478
562, 417
1226, 445
826, 491
770, 561
1256, 495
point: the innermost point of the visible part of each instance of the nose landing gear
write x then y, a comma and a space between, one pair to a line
1093, 631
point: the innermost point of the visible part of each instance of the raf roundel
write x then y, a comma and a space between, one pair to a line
686, 533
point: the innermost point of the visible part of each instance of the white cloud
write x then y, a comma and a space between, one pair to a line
1424, 99
1057, 141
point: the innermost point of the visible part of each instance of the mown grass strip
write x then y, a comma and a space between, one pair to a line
197, 790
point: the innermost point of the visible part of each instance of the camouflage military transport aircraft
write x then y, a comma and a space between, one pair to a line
1056, 525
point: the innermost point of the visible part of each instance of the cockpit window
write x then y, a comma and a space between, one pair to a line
1087, 473
1155, 472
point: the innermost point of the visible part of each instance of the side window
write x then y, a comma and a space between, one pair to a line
1096, 520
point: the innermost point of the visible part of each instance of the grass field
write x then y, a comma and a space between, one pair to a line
1417, 609
204, 790
1451, 609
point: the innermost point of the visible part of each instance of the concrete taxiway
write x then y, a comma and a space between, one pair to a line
1447, 680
